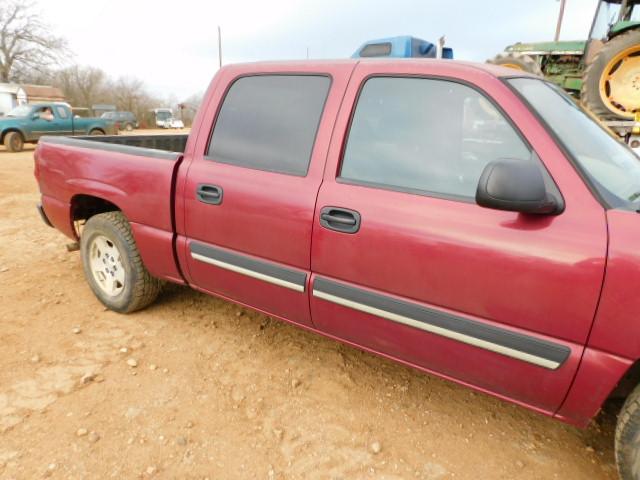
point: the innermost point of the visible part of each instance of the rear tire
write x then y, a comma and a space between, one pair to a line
517, 61
113, 266
13, 142
128, 127
96, 131
597, 94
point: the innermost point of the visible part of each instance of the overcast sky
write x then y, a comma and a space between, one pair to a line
172, 45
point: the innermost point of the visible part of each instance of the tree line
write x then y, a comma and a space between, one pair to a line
30, 54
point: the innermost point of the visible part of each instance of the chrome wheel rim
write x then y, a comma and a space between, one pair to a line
106, 267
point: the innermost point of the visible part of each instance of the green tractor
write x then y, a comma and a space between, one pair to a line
603, 71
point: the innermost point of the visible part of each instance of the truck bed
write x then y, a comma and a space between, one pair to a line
159, 146
134, 173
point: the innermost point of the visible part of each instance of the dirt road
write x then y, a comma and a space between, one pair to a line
195, 387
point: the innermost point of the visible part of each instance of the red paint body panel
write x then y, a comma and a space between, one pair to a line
617, 326
156, 250
539, 276
598, 375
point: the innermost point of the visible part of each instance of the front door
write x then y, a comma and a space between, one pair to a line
407, 264
251, 188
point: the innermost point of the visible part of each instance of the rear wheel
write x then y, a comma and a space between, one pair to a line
611, 84
112, 264
517, 61
96, 131
13, 142
128, 127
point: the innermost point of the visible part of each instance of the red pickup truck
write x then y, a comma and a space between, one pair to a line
463, 219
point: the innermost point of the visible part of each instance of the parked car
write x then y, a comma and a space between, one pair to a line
123, 120
173, 123
27, 123
465, 219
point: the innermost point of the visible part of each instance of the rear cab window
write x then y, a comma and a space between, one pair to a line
62, 112
269, 122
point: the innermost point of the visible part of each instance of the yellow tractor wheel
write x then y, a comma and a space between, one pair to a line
611, 84
517, 61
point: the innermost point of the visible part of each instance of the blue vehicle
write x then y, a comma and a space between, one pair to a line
403, 46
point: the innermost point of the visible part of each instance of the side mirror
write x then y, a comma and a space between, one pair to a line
515, 186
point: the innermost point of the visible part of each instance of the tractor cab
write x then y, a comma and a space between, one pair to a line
613, 17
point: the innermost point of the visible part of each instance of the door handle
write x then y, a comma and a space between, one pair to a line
340, 219
211, 194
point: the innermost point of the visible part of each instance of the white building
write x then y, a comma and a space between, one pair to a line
11, 95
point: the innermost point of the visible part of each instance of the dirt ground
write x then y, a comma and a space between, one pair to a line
221, 392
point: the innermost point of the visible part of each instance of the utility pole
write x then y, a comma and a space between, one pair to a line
560, 15
220, 47
307, 53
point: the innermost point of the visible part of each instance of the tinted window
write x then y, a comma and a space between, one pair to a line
376, 50
62, 112
269, 122
423, 135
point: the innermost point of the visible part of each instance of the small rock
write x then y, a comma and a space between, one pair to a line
165, 370
132, 362
181, 441
295, 383
279, 433
88, 378
151, 470
376, 447
4, 269
52, 466
153, 367
98, 378
124, 350
238, 313
76, 330
589, 449
189, 424
93, 437
81, 432
35, 359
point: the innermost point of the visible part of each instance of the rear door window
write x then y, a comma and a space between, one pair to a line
269, 122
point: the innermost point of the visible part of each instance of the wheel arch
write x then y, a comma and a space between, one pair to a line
4, 133
83, 206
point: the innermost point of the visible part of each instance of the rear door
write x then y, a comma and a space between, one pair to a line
252, 185
407, 264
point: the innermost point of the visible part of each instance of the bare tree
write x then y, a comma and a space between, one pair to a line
25, 42
82, 86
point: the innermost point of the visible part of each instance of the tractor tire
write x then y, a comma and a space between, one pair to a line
13, 142
113, 266
611, 82
517, 61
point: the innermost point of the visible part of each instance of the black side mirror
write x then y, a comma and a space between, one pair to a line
515, 186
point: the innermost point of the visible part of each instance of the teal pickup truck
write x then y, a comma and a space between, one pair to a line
27, 123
